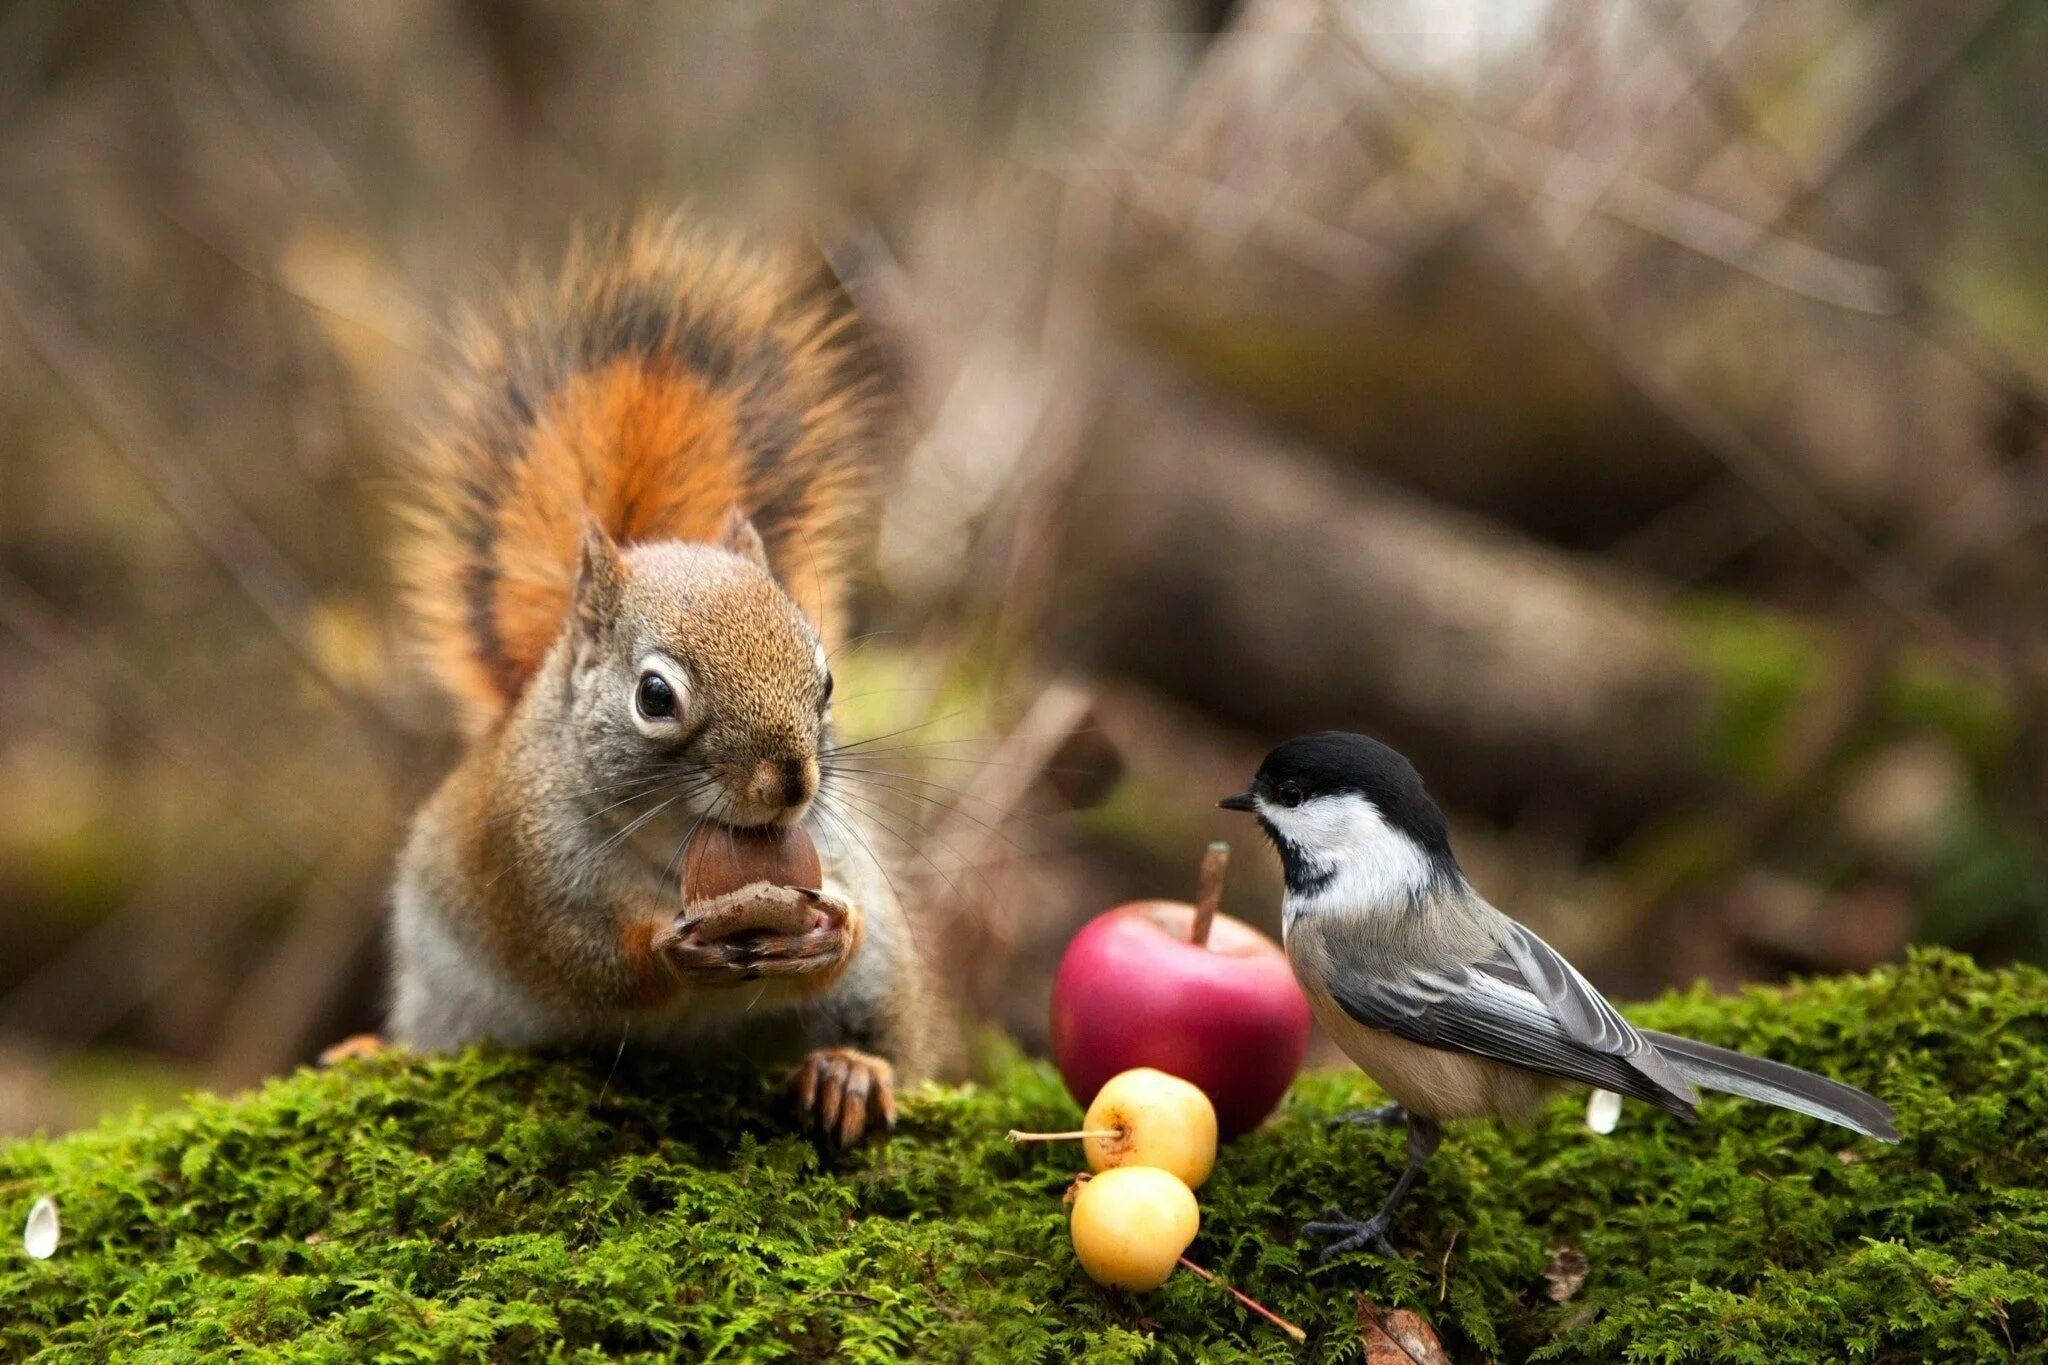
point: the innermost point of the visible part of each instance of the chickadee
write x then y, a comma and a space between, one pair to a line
1454, 1009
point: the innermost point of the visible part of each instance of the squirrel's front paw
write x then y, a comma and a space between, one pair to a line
845, 1094
763, 931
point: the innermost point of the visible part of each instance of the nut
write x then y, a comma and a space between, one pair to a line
721, 860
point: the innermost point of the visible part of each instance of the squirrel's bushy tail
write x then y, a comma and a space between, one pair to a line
664, 377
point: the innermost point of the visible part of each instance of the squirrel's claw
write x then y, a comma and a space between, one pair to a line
845, 1094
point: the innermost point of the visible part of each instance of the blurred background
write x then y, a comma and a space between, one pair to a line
1633, 409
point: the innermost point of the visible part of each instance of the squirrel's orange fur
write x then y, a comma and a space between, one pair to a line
666, 378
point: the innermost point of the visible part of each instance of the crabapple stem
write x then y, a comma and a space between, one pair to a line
1248, 1301
1019, 1135
1209, 892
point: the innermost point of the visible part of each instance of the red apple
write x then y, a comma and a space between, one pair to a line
1198, 995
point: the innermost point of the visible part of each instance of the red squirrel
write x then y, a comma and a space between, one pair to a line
633, 528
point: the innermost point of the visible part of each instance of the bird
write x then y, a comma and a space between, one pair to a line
1454, 1009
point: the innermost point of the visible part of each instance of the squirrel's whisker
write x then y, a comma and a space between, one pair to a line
825, 805
884, 777
623, 833
958, 808
923, 757
902, 730
858, 639
881, 822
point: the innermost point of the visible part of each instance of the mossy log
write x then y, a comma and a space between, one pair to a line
496, 1207
1234, 569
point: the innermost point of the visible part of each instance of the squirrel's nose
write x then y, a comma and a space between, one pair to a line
799, 780
783, 784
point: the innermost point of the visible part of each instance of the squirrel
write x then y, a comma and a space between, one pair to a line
634, 526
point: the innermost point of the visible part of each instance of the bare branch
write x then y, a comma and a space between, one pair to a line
192, 494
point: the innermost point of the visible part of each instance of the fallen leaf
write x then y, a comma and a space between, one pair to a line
39, 1238
1566, 1272
1397, 1338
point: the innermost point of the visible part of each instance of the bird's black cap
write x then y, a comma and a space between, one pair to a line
1336, 762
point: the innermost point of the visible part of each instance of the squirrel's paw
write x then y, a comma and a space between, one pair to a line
845, 1095
763, 931
355, 1047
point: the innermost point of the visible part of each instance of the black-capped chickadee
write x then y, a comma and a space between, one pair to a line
1454, 1009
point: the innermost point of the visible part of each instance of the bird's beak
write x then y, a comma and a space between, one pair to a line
1242, 801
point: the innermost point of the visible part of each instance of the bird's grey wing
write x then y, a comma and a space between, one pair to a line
1492, 1009
1582, 1012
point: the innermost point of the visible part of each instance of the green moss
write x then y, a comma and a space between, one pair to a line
493, 1207
1763, 666
1989, 883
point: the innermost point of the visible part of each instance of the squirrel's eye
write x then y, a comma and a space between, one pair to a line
656, 699
826, 694
1289, 795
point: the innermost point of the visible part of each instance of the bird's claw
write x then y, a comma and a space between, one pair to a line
1350, 1234
1379, 1116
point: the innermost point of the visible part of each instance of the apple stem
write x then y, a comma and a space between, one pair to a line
1018, 1135
1209, 892
1248, 1301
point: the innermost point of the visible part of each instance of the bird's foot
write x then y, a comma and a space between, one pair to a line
1349, 1234
1379, 1116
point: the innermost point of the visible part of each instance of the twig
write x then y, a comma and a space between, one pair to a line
1930, 61
1070, 333
1887, 579
275, 123
191, 492
1705, 230
1248, 1301
1059, 712
140, 949
1802, 187
271, 1020
247, 790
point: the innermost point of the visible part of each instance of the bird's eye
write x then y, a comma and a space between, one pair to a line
1288, 795
655, 698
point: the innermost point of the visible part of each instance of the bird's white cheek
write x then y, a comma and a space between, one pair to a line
1373, 865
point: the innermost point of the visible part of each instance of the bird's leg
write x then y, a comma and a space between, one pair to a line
1350, 1233
1379, 1116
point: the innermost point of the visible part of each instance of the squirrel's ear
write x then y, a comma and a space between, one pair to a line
738, 534
600, 580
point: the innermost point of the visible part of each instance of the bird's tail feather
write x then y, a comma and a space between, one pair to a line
1753, 1078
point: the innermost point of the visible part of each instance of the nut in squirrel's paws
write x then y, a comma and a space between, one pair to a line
751, 911
721, 860
764, 931
845, 1095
